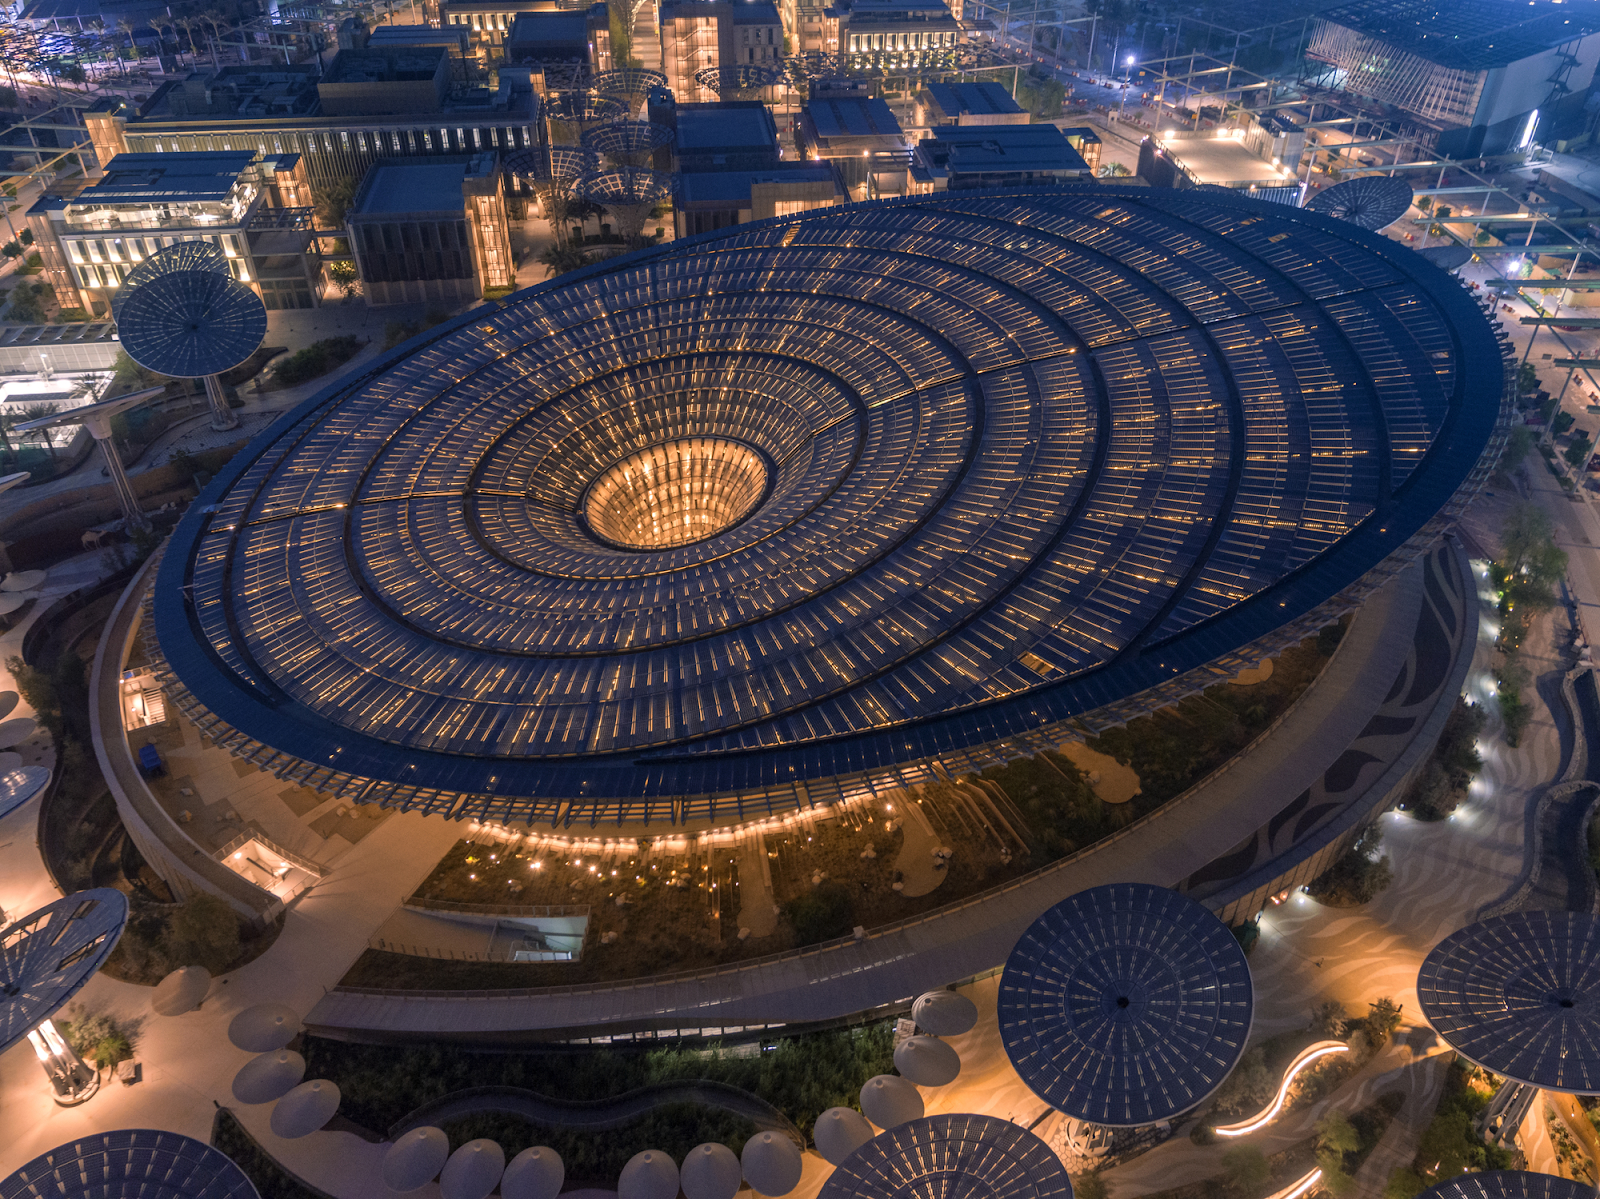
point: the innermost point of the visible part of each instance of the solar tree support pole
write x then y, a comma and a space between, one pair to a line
99, 427
222, 416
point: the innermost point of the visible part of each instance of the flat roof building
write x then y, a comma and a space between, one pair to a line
983, 103
893, 33
703, 201
1260, 156
1476, 76
571, 39
255, 209
696, 34
862, 136
281, 110
723, 134
431, 231
966, 156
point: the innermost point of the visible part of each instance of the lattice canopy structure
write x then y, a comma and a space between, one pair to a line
627, 143
48, 955
1125, 1004
628, 193
130, 1163
1372, 201
939, 1156
1519, 995
571, 114
553, 173
739, 81
631, 85
1036, 462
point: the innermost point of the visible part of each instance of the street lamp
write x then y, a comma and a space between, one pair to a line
1127, 86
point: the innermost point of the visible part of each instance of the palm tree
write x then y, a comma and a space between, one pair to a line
558, 260
125, 24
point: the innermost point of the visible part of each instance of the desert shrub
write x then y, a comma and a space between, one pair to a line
1358, 876
823, 913
316, 359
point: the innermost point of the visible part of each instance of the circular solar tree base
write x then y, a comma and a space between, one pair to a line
1371, 201
631, 85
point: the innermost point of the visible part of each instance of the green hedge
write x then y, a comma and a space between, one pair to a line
316, 359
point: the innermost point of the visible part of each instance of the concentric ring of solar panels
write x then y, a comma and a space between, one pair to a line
192, 255
1036, 454
47, 956
925, 1158
189, 324
1125, 1004
1520, 995
1371, 201
130, 1163
1509, 1184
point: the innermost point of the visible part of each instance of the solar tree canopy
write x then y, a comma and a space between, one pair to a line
626, 139
556, 164
1447, 258
1371, 201
1123, 435
130, 1163
1509, 1184
1519, 995
737, 80
192, 255
980, 1155
48, 955
191, 324
1125, 1004
633, 84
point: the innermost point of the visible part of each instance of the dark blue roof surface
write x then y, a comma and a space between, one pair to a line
978, 99
1125, 1004
921, 1159
1041, 451
130, 1163
1509, 1184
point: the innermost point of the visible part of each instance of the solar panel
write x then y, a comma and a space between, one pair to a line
130, 1163
193, 255
1509, 1184
631, 84
190, 324
1371, 201
952, 1155
1125, 1004
1447, 258
1027, 457
737, 81
1519, 995
626, 140
48, 955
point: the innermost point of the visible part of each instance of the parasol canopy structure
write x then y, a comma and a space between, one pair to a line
627, 143
535, 1173
48, 955
304, 1109
944, 1013
927, 1061
269, 1076
1125, 1004
1519, 995
130, 1163
710, 1171
629, 193
264, 1027
771, 1163
415, 1160
191, 324
651, 1174
1371, 201
951, 1155
181, 991
631, 85
1509, 1184
570, 113
889, 1100
740, 80
15, 731
473, 1170
839, 1132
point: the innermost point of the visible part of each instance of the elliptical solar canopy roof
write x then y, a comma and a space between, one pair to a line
1027, 457
1520, 995
47, 956
1372, 201
1125, 1004
189, 324
1509, 1184
130, 1163
921, 1159
192, 255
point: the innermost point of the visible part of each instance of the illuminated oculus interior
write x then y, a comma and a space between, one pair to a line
675, 493
937, 481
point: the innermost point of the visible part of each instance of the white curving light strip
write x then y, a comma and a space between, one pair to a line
1309, 1054
1295, 1190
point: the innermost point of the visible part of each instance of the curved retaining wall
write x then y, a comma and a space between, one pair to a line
1425, 619
171, 852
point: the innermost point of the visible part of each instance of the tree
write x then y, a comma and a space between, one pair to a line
39, 690
1336, 1136
203, 931
12, 249
1404, 1183
1356, 877
1578, 451
1090, 1186
1527, 378
343, 273
1247, 1169
332, 200
558, 260
1113, 170
1327, 1020
825, 912
26, 307
1517, 446
1382, 1019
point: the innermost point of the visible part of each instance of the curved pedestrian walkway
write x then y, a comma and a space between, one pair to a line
599, 1115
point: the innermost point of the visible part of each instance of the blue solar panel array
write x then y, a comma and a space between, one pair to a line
47, 956
1036, 453
1125, 1004
1509, 1184
1370, 201
130, 1163
937, 1156
1520, 995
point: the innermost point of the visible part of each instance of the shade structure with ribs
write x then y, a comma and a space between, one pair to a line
627, 143
1509, 1184
192, 255
1125, 1004
1035, 459
710, 1171
1519, 995
269, 1076
47, 956
415, 1159
536, 1173
740, 80
1371, 201
130, 1163
190, 324
980, 1155
571, 113
628, 193
631, 85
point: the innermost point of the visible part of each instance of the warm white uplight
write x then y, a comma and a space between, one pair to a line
676, 493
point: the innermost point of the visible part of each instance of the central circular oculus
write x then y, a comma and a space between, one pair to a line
675, 493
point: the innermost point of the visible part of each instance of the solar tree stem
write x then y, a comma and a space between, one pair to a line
119, 483
222, 416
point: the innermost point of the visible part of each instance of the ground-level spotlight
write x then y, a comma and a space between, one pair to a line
71, 1080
